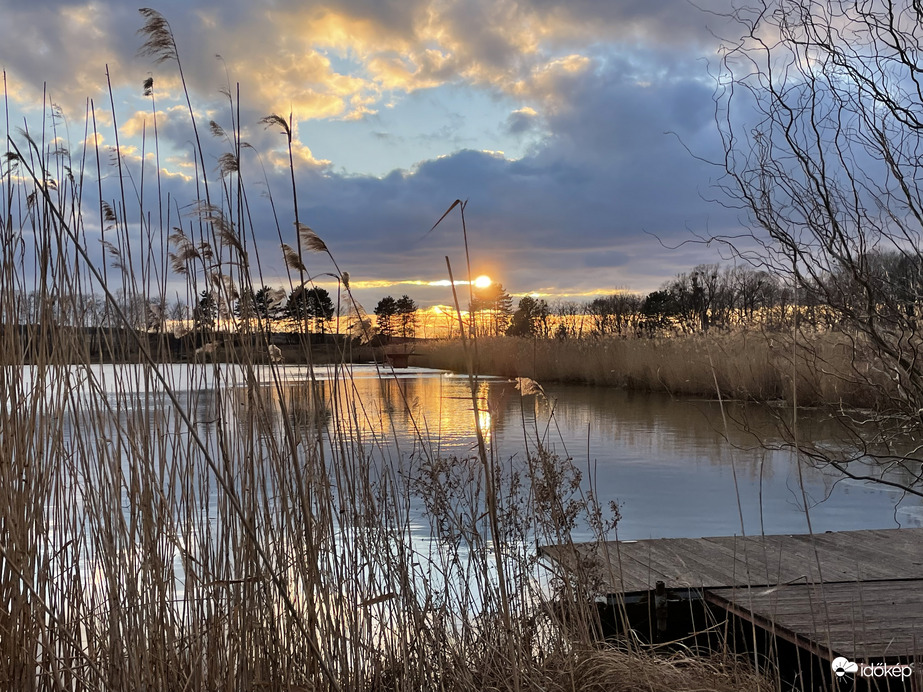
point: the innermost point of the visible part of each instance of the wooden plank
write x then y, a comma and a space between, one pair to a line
621, 566
650, 557
731, 563
606, 562
854, 557
737, 561
634, 575
765, 557
844, 557
802, 557
681, 563
901, 548
716, 597
863, 620
697, 562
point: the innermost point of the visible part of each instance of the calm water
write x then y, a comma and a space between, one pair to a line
666, 462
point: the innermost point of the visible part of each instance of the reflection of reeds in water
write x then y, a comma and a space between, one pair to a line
204, 526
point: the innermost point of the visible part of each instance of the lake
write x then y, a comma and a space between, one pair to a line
669, 464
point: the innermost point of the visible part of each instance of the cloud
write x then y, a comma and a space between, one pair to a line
596, 89
316, 58
522, 120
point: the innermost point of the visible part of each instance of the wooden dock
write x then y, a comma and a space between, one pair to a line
857, 594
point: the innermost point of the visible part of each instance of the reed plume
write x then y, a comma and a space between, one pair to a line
159, 43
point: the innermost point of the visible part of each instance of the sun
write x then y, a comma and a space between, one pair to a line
483, 281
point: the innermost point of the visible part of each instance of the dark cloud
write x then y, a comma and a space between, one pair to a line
594, 196
521, 121
670, 22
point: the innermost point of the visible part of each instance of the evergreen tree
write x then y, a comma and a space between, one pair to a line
530, 318
267, 303
311, 304
407, 316
385, 312
205, 312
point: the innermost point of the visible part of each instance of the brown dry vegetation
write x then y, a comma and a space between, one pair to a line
748, 365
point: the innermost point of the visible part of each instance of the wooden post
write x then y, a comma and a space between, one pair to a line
660, 609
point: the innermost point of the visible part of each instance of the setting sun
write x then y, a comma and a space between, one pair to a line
483, 281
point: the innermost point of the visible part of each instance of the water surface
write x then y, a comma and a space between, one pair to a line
673, 466
670, 464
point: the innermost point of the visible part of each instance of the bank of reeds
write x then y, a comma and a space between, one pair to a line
827, 368
221, 526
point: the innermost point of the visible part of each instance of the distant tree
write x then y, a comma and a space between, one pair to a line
599, 310
205, 311
570, 319
704, 298
530, 318
754, 292
96, 311
615, 314
491, 309
265, 304
245, 307
659, 310
178, 311
268, 303
156, 314
311, 304
385, 316
406, 316
135, 307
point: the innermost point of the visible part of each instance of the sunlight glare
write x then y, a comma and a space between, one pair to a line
483, 281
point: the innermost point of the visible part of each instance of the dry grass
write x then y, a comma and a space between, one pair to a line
621, 670
748, 365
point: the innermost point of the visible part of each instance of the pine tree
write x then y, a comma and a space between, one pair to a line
311, 304
205, 312
407, 316
385, 313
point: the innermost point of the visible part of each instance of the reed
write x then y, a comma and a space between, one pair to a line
231, 526
749, 365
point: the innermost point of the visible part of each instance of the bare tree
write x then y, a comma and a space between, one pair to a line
178, 311
820, 110
570, 319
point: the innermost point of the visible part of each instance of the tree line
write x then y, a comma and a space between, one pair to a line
708, 297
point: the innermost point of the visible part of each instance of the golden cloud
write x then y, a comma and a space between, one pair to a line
141, 122
301, 154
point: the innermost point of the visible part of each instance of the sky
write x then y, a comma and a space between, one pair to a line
577, 132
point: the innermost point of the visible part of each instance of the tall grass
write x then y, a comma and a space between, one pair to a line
747, 365
239, 525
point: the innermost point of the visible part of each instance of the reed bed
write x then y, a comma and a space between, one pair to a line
826, 368
238, 525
